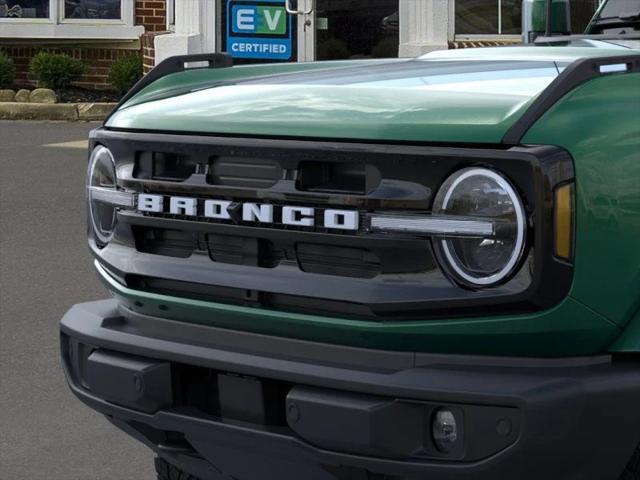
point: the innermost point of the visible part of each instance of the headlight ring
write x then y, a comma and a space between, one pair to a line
101, 181
480, 193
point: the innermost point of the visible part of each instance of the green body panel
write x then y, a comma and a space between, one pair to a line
199, 78
629, 341
559, 16
443, 97
599, 124
570, 329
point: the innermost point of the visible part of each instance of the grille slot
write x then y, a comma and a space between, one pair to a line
331, 177
253, 252
170, 167
169, 243
340, 261
243, 172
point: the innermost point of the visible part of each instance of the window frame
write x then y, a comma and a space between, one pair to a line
170, 8
485, 36
57, 26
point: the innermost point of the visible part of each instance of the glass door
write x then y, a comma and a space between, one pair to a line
348, 29
261, 31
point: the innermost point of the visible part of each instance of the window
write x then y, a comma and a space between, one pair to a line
86, 19
17, 9
93, 9
488, 17
583, 10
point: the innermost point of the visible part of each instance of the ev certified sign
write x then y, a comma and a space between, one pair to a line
259, 29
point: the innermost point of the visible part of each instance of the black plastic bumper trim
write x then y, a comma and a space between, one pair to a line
579, 419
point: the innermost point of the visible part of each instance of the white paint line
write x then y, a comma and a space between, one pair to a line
81, 144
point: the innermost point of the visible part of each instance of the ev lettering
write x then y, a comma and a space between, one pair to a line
245, 20
272, 18
260, 20
259, 30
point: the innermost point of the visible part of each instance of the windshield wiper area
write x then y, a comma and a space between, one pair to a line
583, 39
630, 17
625, 19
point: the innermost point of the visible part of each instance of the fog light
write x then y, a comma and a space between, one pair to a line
445, 430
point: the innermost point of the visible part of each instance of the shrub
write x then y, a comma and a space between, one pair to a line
7, 71
125, 72
55, 70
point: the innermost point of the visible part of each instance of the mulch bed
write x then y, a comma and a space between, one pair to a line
81, 95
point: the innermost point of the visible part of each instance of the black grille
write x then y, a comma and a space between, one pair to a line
253, 251
357, 273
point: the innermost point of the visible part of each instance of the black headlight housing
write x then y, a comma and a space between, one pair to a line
481, 261
104, 197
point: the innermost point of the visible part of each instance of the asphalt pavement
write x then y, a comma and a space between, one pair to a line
45, 267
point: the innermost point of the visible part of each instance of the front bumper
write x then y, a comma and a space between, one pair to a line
222, 403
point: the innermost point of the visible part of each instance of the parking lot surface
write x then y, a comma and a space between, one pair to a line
45, 267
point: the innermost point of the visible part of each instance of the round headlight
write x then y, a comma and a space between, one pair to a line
481, 194
101, 177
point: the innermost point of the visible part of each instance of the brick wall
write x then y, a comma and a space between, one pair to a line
152, 14
148, 51
149, 13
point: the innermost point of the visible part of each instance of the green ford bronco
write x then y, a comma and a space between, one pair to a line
373, 269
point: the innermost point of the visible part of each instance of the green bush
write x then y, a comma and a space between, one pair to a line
7, 71
55, 70
125, 72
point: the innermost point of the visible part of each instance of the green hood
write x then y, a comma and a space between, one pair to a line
450, 96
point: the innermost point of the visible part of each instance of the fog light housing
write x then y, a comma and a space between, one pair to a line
445, 430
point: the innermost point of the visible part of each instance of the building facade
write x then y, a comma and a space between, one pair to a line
337, 29
94, 31
99, 31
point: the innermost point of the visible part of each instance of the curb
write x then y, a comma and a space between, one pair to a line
55, 111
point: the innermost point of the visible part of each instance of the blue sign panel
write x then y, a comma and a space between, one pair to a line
259, 29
